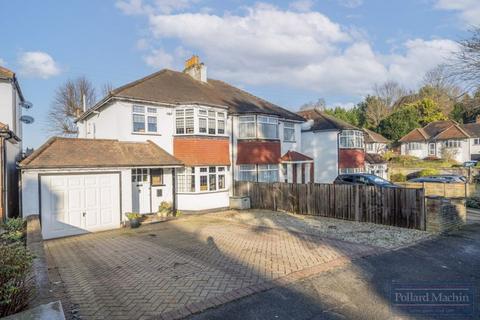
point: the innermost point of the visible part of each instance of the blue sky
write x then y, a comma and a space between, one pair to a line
288, 52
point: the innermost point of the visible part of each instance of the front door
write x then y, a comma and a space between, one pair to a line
431, 149
141, 191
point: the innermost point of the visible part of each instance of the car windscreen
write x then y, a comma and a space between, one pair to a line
380, 181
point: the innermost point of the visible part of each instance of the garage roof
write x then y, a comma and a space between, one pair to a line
94, 153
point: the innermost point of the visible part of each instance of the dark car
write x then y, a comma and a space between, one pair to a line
364, 179
441, 178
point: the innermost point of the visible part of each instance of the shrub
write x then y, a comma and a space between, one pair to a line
398, 177
15, 224
13, 236
15, 262
133, 216
473, 202
165, 206
428, 172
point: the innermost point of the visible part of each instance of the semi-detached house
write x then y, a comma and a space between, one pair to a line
172, 136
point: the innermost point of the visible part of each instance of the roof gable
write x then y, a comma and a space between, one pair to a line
371, 137
416, 135
473, 129
90, 153
324, 122
172, 87
6, 73
294, 156
452, 132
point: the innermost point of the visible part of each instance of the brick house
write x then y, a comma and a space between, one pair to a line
209, 133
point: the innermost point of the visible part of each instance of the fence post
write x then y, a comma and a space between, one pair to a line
357, 203
423, 220
274, 197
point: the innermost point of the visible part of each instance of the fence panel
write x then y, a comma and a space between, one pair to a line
401, 207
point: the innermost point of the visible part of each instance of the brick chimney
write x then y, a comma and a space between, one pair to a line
195, 69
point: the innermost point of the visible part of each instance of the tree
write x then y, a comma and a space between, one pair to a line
375, 111
466, 66
390, 93
427, 111
319, 105
352, 116
67, 105
440, 86
399, 123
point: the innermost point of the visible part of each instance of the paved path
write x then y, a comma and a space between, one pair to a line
181, 267
361, 290
473, 216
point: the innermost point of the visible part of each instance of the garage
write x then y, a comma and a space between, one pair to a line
79, 186
78, 203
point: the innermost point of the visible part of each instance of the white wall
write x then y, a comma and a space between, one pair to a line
115, 122
203, 201
30, 188
167, 190
6, 101
421, 153
323, 148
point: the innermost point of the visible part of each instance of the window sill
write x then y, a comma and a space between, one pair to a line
259, 139
147, 133
200, 134
289, 141
204, 192
158, 185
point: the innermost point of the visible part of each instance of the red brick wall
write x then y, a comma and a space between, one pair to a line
197, 150
351, 158
261, 152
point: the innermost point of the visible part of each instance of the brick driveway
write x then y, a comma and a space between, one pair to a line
180, 267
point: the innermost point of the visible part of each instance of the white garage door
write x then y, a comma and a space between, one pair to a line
74, 204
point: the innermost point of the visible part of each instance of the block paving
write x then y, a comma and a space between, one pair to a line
173, 269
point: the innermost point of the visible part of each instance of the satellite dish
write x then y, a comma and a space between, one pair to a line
26, 104
27, 119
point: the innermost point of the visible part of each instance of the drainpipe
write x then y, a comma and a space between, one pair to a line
231, 159
174, 193
2, 179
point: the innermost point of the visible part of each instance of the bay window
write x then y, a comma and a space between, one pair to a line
267, 127
221, 123
414, 146
289, 131
350, 170
260, 172
247, 127
144, 120
211, 178
268, 173
186, 179
351, 139
184, 121
199, 120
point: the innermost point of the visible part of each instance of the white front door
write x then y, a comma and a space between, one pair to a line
431, 149
78, 203
141, 191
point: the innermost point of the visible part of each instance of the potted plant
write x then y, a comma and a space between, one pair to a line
165, 209
134, 219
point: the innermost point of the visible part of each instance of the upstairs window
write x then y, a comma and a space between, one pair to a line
221, 123
476, 141
184, 121
247, 127
267, 127
144, 119
289, 131
351, 139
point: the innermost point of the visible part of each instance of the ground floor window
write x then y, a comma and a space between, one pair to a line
350, 170
260, 172
212, 178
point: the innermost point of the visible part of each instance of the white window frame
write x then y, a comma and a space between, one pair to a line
453, 144
186, 180
370, 147
476, 141
217, 174
412, 146
266, 121
289, 130
184, 122
146, 113
351, 139
350, 170
247, 127
268, 171
247, 172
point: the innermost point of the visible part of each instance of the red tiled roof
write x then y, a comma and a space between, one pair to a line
6, 74
294, 156
371, 137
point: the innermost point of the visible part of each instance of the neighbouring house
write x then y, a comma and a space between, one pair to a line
335, 146
177, 137
375, 147
443, 139
11, 103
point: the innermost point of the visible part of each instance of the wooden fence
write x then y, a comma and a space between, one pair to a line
401, 207
447, 190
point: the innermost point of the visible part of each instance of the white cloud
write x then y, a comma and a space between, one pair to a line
350, 3
301, 5
38, 64
270, 46
158, 58
468, 10
2, 62
137, 7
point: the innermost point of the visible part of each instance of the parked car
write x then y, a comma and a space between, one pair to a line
441, 178
364, 179
470, 164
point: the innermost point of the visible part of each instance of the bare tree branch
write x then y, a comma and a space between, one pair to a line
68, 104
